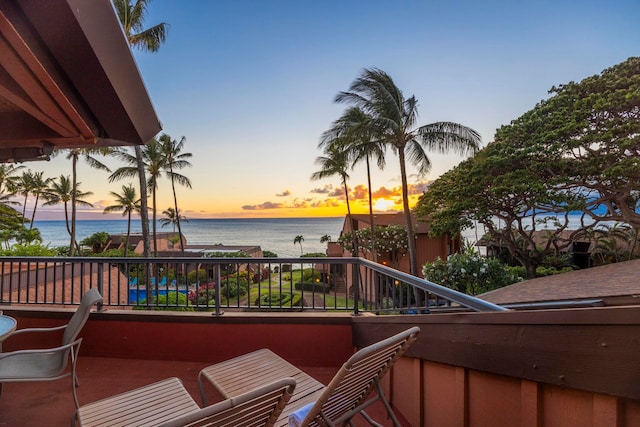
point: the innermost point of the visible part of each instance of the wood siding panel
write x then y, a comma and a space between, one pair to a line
494, 400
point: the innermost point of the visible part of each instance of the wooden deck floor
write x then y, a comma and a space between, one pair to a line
51, 403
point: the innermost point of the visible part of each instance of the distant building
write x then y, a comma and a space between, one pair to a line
427, 248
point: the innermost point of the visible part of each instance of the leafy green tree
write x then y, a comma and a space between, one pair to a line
175, 159
11, 224
61, 191
128, 202
132, 15
393, 124
501, 189
298, 240
588, 134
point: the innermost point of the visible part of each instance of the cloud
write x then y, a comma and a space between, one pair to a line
337, 192
325, 190
285, 193
326, 203
360, 192
419, 187
384, 192
263, 206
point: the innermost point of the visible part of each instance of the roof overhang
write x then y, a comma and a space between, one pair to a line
68, 80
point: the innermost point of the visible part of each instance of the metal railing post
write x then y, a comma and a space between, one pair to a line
356, 288
216, 269
100, 274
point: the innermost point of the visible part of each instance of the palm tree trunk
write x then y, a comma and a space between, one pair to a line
33, 214
74, 184
144, 204
126, 242
155, 236
175, 206
413, 262
373, 234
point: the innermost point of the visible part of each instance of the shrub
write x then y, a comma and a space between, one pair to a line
312, 286
469, 273
278, 299
199, 275
233, 289
173, 301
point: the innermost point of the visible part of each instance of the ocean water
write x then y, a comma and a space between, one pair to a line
271, 234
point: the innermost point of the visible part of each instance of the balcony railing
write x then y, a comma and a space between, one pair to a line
229, 284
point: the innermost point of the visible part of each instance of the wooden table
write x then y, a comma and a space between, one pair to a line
244, 373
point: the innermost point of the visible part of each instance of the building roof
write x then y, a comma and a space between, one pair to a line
390, 219
613, 283
67, 80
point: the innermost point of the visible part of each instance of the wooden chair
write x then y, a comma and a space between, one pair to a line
350, 391
168, 404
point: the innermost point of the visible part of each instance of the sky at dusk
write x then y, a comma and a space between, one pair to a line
250, 85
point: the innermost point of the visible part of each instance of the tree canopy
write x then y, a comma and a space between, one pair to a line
567, 164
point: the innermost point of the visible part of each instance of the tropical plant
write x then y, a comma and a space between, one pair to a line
8, 183
11, 224
88, 154
32, 183
132, 16
352, 133
61, 191
128, 202
97, 241
172, 218
469, 273
154, 163
298, 241
175, 159
334, 162
393, 118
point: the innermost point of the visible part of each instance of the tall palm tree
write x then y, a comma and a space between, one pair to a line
352, 132
88, 155
61, 191
334, 162
128, 202
132, 16
154, 162
175, 159
172, 217
393, 124
32, 183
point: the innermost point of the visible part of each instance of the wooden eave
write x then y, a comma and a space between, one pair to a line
68, 79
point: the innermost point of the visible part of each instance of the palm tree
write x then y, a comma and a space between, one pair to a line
88, 155
393, 124
175, 159
298, 240
127, 202
172, 218
132, 15
154, 163
334, 162
352, 132
8, 183
61, 191
32, 183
